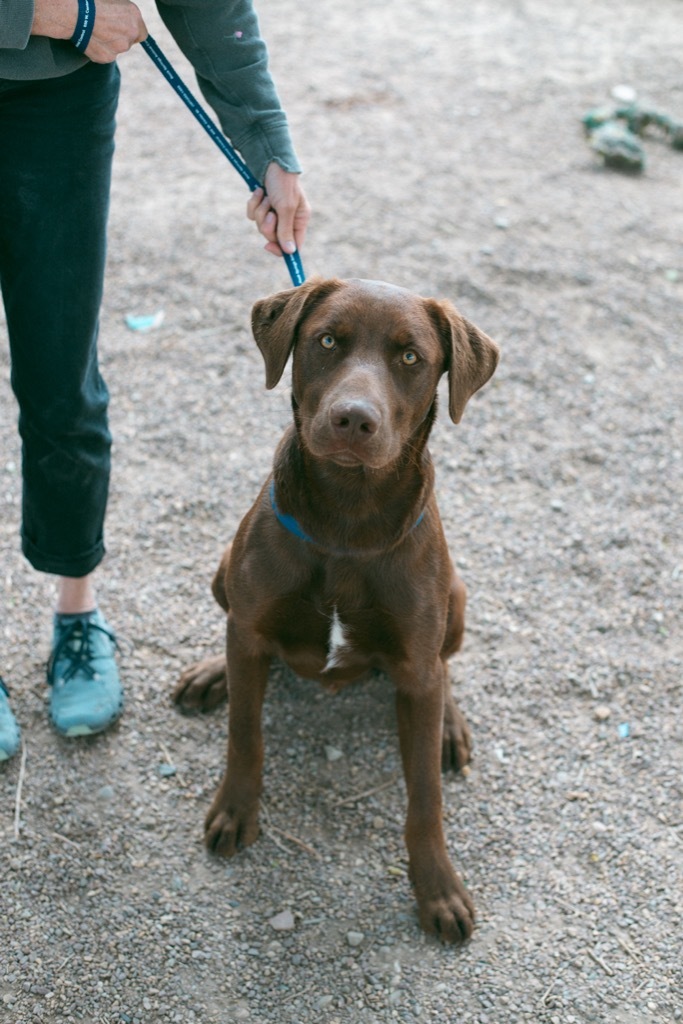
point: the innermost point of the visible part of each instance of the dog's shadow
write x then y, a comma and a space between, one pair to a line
332, 762
352, 733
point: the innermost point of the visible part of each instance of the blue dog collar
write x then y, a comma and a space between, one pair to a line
292, 526
289, 522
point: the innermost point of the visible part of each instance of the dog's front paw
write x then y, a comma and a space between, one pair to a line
445, 907
230, 826
456, 747
203, 686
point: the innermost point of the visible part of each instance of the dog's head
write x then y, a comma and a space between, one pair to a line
367, 360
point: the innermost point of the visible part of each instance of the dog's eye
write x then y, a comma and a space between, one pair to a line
409, 357
328, 342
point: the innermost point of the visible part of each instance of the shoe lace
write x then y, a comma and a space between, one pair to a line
75, 646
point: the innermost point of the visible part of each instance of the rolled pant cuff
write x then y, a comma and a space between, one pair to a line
74, 567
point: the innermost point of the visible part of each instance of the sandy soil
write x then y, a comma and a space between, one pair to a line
443, 152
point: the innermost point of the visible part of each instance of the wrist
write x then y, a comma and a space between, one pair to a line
54, 18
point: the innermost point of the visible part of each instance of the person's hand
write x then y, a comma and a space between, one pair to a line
283, 213
118, 26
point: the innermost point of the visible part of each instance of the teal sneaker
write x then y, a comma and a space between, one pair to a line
86, 695
9, 730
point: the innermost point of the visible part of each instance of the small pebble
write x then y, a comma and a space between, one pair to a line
354, 939
624, 94
282, 922
602, 712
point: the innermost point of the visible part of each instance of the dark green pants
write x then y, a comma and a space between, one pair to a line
56, 148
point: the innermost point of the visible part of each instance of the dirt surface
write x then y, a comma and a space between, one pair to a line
443, 153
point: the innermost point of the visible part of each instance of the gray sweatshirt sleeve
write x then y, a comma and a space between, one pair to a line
16, 18
221, 39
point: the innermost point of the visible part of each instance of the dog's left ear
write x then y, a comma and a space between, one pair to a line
471, 356
274, 322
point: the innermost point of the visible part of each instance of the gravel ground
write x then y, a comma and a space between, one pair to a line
443, 153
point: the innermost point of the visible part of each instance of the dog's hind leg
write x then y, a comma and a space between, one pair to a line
456, 746
456, 741
455, 625
202, 686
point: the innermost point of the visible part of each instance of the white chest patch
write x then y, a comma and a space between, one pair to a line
337, 643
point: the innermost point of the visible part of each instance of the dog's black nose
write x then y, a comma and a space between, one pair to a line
355, 419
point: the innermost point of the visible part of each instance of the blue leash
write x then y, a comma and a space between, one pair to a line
293, 260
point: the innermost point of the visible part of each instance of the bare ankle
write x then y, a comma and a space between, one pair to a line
75, 595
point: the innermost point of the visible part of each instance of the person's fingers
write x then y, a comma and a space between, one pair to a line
286, 234
291, 222
281, 213
254, 201
259, 210
269, 226
285, 227
301, 219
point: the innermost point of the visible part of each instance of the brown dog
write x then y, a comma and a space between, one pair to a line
341, 564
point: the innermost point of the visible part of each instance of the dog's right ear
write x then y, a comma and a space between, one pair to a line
471, 356
274, 322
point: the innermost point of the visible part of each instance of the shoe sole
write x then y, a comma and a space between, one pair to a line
86, 730
80, 730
